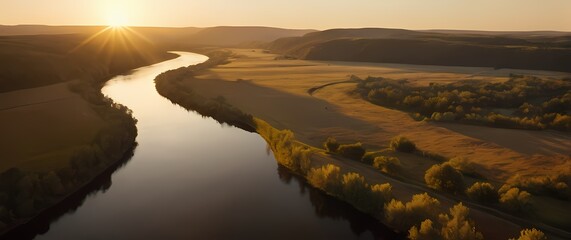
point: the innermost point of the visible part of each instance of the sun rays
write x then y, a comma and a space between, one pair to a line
116, 40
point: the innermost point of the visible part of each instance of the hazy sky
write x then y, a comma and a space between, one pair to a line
317, 14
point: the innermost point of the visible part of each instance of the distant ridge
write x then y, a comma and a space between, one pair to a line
522, 50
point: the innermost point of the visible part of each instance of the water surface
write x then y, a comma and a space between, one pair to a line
192, 178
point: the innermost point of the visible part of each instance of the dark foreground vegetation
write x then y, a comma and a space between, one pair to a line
25, 194
420, 217
482, 49
169, 84
34, 61
40, 60
523, 102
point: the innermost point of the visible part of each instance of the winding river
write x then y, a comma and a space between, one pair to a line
192, 178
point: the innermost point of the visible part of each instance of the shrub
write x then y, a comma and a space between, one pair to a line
444, 177
562, 122
514, 200
353, 151
482, 192
331, 145
464, 166
531, 234
356, 191
327, 178
404, 216
444, 117
369, 157
381, 194
402, 144
556, 185
457, 225
301, 158
390, 165
425, 232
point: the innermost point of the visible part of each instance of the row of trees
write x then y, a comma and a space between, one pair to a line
521, 102
351, 187
449, 178
23, 194
170, 85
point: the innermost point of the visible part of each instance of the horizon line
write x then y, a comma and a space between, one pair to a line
286, 28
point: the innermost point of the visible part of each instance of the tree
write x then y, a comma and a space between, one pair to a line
327, 178
426, 231
403, 216
402, 144
390, 165
482, 192
353, 151
444, 177
457, 226
514, 199
531, 234
331, 145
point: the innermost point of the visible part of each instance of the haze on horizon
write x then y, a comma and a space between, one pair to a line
504, 15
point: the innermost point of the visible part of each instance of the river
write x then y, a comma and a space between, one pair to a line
192, 178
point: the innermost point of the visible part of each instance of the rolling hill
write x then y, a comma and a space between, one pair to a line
482, 49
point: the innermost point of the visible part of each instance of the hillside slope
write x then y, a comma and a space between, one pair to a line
522, 51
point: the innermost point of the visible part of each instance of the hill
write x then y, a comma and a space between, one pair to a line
169, 37
40, 60
449, 48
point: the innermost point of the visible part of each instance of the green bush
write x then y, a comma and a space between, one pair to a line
403, 216
356, 191
445, 177
531, 234
353, 151
327, 178
369, 157
457, 225
513, 199
475, 101
427, 231
482, 192
555, 185
389, 165
402, 144
464, 166
381, 194
331, 145
453, 226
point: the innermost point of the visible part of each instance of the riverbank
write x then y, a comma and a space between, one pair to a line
62, 136
295, 154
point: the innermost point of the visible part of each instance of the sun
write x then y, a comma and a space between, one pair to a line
116, 19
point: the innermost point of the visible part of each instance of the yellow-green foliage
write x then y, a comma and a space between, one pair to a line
403, 216
326, 178
356, 191
331, 145
483, 192
402, 144
457, 226
288, 151
513, 199
475, 102
453, 226
444, 177
381, 194
531, 234
352, 188
466, 167
556, 185
390, 165
427, 231
353, 151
